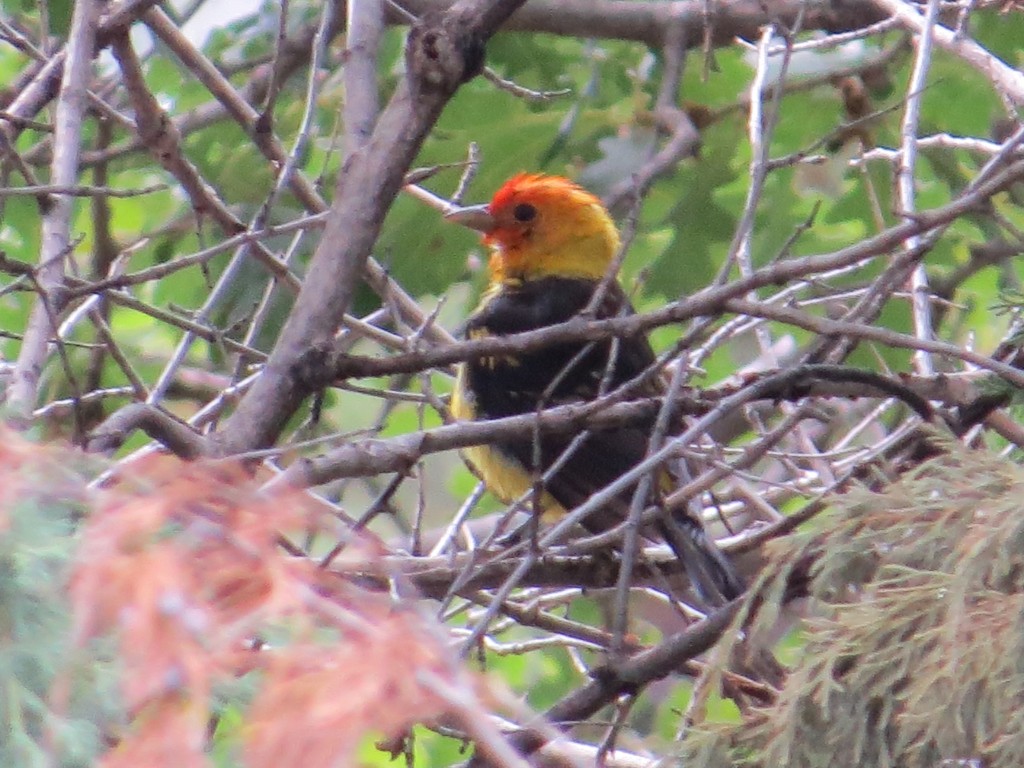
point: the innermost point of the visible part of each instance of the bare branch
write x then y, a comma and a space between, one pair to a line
905, 180
365, 26
1004, 78
56, 235
651, 22
440, 56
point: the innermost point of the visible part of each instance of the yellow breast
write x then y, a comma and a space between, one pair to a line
505, 477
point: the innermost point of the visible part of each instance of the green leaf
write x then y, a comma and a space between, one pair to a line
700, 224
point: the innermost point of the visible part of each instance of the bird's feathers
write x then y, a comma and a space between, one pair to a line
548, 261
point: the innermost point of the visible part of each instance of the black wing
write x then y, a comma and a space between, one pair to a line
573, 372
570, 372
558, 373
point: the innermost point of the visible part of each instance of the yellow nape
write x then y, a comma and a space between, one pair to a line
548, 226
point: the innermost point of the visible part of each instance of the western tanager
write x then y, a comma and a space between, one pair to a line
552, 243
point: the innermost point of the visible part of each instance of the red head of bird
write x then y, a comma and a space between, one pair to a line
539, 225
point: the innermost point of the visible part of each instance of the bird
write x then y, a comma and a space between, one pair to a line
552, 245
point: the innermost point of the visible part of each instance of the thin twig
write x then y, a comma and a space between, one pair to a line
905, 183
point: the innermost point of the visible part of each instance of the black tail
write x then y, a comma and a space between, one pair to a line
712, 575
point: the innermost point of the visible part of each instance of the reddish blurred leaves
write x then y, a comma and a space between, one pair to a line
37, 473
171, 731
181, 563
367, 684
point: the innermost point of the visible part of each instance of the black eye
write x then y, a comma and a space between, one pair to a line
524, 212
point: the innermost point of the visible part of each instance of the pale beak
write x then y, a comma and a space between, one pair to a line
472, 216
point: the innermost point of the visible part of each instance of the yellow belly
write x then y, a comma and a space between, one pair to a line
505, 477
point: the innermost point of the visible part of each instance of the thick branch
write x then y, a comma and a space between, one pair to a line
319, 365
630, 676
56, 240
440, 55
397, 454
651, 22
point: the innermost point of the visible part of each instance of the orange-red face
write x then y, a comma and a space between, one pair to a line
533, 208
516, 208
537, 224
